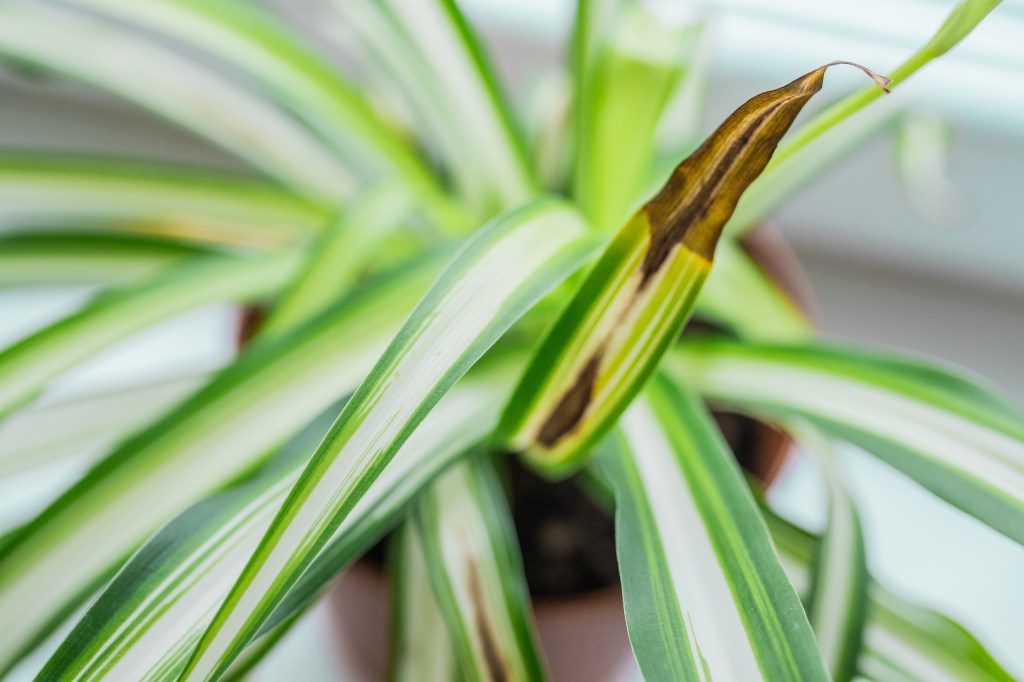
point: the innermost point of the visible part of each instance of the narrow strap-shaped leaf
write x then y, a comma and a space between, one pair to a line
902, 641
113, 315
147, 621
838, 601
634, 74
429, 49
27, 366
958, 439
311, 87
494, 280
635, 300
175, 87
28, 259
337, 258
421, 649
49, 565
800, 167
162, 200
473, 561
85, 426
705, 595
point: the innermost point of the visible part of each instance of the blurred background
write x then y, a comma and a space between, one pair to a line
934, 267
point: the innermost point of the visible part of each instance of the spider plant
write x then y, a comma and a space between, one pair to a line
440, 292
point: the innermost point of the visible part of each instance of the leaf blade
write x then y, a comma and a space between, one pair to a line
734, 614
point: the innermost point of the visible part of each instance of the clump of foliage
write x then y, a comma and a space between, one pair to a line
442, 292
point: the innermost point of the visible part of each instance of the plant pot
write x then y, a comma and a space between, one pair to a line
582, 633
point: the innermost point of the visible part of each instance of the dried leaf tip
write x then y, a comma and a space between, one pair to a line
882, 81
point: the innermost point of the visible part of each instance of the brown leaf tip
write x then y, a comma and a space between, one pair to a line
882, 81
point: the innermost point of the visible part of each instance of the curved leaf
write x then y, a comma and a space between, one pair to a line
956, 438
705, 595
472, 558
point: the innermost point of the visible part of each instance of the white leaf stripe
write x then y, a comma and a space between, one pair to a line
741, 617
421, 649
839, 591
27, 366
47, 566
149, 619
472, 559
951, 436
496, 278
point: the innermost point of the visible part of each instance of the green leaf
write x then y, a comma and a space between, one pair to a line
472, 558
636, 299
145, 72
430, 51
421, 649
146, 623
498, 276
705, 595
634, 73
52, 563
28, 365
902, 641
171, 202
838, 601
956, 438
63, 258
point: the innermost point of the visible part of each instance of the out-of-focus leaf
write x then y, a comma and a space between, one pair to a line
472, 559
958, 439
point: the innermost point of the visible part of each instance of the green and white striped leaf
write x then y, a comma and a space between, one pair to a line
705, 595
49, 259
175, 203
956, 438
472, 558
498, 276
313, 89
634, 73
430, 51
838, 601
148, 620
421, 649
52, 563
903, 642
175, 87
28, 365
